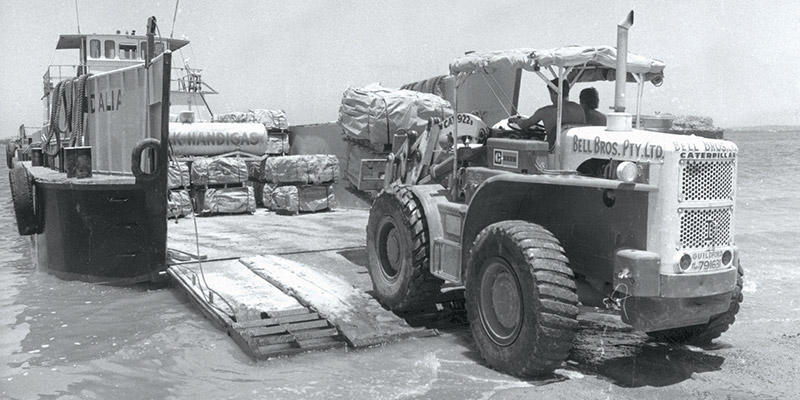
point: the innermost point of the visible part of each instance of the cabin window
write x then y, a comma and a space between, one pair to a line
159, 48
127, 51
142, 50
110, 49
94, 48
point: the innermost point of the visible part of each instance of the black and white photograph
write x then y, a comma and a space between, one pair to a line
399, 200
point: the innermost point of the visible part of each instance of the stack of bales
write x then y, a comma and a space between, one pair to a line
218, 186
179, 202
301, 183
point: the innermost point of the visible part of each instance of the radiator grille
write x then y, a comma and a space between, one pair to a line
707, 227
707, 180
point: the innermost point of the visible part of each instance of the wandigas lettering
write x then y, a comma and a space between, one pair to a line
215, 138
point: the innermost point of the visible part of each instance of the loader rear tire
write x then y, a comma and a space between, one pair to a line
703, 334
522, 302
398, 248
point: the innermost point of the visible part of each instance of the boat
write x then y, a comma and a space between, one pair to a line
92, 195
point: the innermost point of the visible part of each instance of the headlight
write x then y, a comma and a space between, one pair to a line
685, 262
727, 256
627, 171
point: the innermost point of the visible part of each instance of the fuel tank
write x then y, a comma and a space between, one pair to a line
213, 138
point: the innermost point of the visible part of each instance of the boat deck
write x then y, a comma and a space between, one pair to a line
280, 284
45, 175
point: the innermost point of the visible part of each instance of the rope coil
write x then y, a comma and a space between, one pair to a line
69, 94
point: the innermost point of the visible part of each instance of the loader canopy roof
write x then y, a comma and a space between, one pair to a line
591, 63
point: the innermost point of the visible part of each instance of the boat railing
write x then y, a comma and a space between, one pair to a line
57, 73
183, 79
189, 80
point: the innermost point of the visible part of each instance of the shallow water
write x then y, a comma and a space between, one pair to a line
72, 340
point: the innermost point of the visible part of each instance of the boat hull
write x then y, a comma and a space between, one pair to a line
112, 234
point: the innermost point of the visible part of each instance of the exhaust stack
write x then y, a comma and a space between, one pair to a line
619, 120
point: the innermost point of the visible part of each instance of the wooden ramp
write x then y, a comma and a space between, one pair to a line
360, 318
262, 320
272, 306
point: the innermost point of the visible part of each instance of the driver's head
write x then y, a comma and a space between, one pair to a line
590, 98
554, 94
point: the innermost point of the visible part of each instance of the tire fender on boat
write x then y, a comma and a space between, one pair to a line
28, 222
136, 157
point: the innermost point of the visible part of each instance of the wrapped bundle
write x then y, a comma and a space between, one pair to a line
310, 198
235, 200
314, 169
266, 195
177, 175
272, 119
179, 204
375, 113
277, 143
218, 170
235, 116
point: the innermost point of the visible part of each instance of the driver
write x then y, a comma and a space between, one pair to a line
548, 115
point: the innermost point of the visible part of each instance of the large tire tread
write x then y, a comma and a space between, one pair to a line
421, 288
549, 339
21, 182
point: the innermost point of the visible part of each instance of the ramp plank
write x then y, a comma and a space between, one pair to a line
263, 320
358, 316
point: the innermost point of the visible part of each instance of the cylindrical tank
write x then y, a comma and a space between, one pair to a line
212, 138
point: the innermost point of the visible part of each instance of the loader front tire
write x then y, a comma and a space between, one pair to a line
522, 302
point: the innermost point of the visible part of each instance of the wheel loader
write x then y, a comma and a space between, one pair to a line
611, 216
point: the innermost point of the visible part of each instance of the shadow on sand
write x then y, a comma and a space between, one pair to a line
631, 359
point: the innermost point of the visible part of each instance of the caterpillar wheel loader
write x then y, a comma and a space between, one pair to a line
640, 220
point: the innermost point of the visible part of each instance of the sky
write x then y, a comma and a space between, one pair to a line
730, 60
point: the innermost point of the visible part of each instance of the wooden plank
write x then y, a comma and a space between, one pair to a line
285, 349
218, 319
289, 322
293, 337
308, 316
238, 288
358, 316
271, 330
289, 312
314, 343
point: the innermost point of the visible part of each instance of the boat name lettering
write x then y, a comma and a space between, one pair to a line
109, 100
625, 149
215, 138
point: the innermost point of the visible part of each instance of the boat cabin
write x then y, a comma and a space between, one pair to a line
108, 52
104, 52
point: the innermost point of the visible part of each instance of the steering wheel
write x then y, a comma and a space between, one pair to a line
532, 132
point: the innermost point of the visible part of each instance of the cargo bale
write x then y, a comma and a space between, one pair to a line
178, 175
301, 169
228, 201
272, 119
179, 204
374, 113
305, 198
218, 170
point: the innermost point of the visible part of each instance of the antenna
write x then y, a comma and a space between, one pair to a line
174, 16
77, 16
